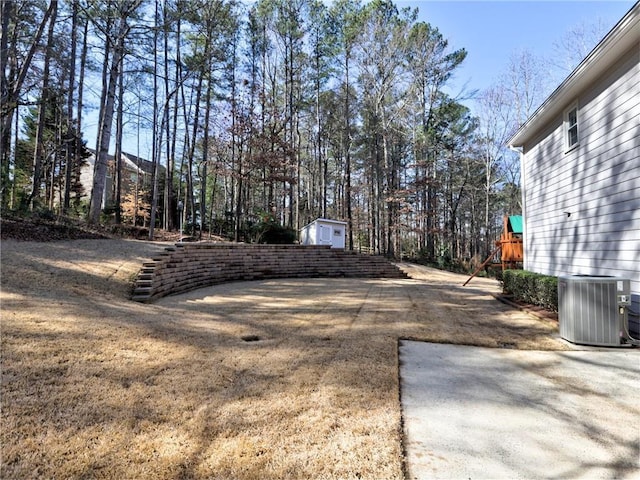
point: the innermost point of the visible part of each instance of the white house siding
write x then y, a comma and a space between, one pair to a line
598, 183
86, 180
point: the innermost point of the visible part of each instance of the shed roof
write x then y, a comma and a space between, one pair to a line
622, 36
325, 220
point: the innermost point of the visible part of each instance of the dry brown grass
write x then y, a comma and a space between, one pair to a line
96, 386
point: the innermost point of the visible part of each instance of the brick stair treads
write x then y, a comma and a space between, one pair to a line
185, 267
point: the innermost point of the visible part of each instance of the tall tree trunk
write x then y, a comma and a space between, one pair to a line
347, 150
79, 147
100, 170
6, 11
205, 154
70, 152
487, 206
236, 152
157, 131
192, 151
10, 91
318, 150
118, 152
171, 150
103, 102
42, 112
168, 181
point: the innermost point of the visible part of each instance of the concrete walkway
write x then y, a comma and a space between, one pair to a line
482, 413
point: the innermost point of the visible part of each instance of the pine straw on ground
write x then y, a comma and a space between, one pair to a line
97, 386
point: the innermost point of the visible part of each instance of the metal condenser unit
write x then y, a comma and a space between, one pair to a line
593, 310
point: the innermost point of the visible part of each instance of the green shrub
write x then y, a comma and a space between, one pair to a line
269, 231
533, 288
277, 234
548, 292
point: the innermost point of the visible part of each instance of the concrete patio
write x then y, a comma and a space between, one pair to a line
479, 413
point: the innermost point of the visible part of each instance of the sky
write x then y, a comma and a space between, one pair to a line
491, 31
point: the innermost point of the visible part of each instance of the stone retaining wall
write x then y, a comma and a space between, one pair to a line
188, 266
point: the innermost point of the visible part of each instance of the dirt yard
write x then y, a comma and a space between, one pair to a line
249, 380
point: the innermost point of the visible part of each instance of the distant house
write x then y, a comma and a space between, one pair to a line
580, 164
137, 175
323, 231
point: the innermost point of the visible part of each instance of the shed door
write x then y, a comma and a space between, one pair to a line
325, 235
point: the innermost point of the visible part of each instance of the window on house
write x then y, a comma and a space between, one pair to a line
571, 126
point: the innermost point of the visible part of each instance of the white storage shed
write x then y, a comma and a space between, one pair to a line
323, 231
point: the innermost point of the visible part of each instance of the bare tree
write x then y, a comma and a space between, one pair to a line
573, 46
525, 84
496, 126
42, 111
124, 9
13, 74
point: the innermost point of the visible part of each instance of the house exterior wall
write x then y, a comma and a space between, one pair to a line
86, 179
132, 174
582, 207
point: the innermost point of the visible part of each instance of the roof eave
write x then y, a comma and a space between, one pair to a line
622, 36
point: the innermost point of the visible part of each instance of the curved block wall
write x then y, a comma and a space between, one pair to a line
188, 266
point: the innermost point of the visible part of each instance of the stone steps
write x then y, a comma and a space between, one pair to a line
195, 265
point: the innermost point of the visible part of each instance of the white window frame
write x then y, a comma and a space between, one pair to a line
568, 126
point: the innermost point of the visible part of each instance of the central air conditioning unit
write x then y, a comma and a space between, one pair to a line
593, 310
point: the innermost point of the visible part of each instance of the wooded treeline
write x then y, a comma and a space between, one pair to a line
280, 111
